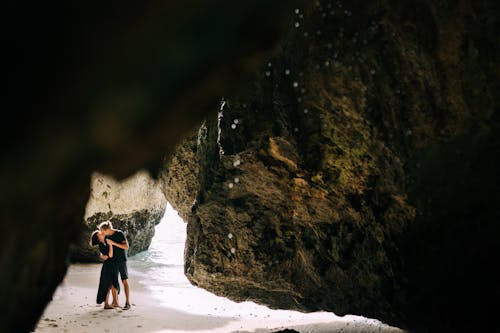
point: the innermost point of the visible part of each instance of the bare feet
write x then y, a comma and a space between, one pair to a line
115, 305
108, 307
127, 306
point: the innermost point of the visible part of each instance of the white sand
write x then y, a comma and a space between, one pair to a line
73, 309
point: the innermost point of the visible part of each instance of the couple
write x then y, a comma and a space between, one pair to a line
112, 246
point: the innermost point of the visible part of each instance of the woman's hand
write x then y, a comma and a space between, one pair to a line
109, 241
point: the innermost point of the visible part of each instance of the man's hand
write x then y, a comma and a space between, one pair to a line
103, 257
123, 246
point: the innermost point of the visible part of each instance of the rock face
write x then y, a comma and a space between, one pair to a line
358, 173
134, 205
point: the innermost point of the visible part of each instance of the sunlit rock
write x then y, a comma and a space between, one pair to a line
134, 205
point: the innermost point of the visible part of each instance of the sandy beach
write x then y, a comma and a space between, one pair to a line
73, 309
163, 300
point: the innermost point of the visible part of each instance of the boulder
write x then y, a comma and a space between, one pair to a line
358, 172
134, 205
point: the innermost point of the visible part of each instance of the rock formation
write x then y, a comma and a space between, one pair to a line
134, 205
358, 172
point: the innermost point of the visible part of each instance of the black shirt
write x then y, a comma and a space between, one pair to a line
118, 254
104, 249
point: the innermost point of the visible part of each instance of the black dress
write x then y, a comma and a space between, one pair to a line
109, 275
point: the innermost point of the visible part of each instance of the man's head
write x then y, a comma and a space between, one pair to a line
96, 238
106, 228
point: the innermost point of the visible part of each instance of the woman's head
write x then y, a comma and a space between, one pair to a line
96, 238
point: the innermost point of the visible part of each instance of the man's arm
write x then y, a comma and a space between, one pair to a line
123, 245
103, 256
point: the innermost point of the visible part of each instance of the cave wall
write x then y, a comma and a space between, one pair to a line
357, 172
108, 87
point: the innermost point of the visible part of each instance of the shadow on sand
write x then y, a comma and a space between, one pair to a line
180, 320
355, 326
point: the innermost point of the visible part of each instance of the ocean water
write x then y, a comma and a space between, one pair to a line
162, 265
161, 270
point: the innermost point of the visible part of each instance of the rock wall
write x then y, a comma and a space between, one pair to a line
134, 205
179, 181
357, 172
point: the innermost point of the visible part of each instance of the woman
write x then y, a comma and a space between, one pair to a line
109, 274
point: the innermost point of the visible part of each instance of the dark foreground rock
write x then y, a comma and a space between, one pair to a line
134, 205
106, 87
358, 173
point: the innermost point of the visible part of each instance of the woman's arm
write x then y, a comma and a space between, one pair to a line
110, 244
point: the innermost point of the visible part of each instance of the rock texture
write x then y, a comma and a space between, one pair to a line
134, 205
106, 87
358, 173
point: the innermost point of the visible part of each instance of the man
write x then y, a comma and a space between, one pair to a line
119, 242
